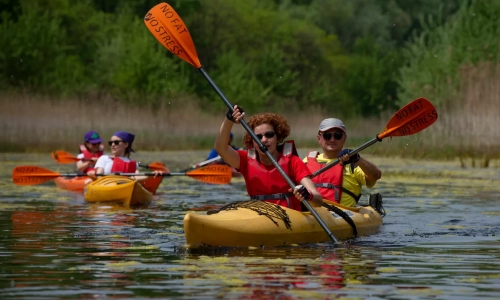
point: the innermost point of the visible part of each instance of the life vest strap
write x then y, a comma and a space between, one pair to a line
335, 188
351, 194
251, 153
332, 187
273, 197
344, 216
312, 154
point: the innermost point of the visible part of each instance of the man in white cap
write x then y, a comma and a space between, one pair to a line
341, 183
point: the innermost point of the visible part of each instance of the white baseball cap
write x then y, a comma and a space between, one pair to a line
331, 123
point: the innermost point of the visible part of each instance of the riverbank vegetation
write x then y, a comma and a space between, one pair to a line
67, 67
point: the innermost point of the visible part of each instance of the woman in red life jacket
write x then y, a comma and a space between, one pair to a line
263, 180
119, 161
90, 151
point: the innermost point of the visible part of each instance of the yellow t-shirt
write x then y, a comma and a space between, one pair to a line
352, 181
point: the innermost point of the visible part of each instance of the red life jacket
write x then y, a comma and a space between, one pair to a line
119, 165
86, 154
328, 183
261, 181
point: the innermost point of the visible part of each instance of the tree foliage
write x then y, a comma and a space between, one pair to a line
351, 57
435, 57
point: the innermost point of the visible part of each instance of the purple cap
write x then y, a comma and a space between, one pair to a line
126, 137
92, 137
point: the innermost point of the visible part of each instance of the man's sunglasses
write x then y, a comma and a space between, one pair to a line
328, 135
269, 135
116, 142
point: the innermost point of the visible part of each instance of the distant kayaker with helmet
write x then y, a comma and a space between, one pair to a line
214, 154
119, 161
90, 151
263, 180
343, 182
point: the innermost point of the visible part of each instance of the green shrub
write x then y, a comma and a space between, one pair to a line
435, 57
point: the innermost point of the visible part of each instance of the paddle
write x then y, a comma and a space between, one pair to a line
410, 119
169, 29
203, 163
31, 175
63, 157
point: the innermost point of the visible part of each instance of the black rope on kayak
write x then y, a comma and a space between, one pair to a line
344, 216
270, 210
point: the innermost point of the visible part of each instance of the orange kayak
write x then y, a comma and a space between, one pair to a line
76, 184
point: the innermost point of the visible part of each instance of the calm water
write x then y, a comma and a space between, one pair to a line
440, 240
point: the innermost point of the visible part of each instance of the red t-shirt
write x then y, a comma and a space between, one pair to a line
300, 169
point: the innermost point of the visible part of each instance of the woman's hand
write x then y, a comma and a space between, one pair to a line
237, 115
142, 178
92, 174
89, 163
157, 173
301, 193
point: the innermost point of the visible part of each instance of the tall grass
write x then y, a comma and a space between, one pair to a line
473, 127
468, 130
37, 123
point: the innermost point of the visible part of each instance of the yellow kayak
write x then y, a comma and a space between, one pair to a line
119, 189
257, 223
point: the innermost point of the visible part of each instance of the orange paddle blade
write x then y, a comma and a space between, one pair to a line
158, 166
169, 29
63, 157
152, 183
31, 175
410, 119
214, 174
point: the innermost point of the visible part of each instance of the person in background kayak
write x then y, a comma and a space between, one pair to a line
90, 151
214, 154
119, 161
263, 180
343, 182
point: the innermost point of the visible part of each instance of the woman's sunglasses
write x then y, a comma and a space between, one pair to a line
116, 142
269, 135
328, 135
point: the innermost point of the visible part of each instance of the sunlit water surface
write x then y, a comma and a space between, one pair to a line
440, 240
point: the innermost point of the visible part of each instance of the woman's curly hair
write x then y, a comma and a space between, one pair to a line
279, 123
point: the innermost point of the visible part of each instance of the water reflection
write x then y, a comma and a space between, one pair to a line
280, 273
439, 240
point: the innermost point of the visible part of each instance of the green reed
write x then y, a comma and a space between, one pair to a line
39, 124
